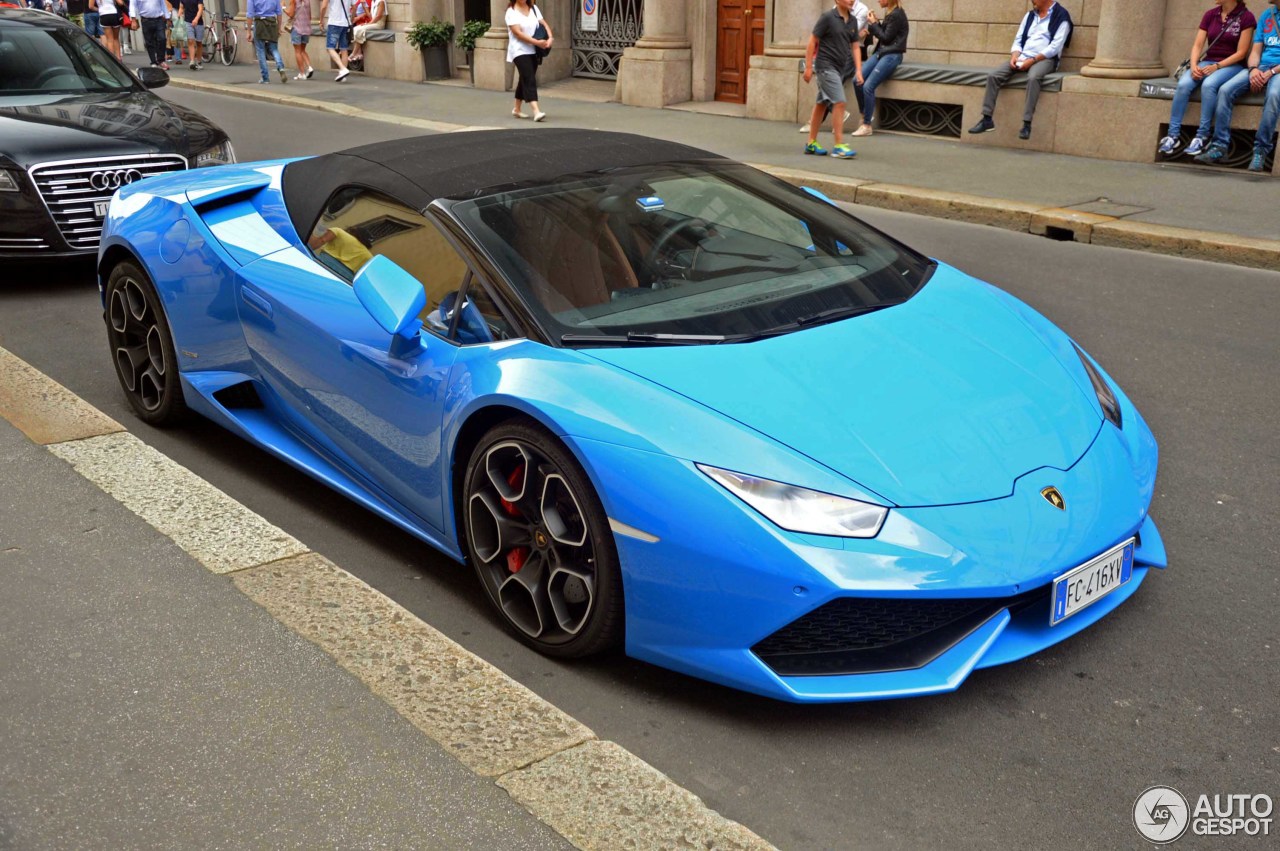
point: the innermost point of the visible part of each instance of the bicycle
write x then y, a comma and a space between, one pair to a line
220, 39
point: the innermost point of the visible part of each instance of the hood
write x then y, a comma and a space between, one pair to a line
39, 129
945, 399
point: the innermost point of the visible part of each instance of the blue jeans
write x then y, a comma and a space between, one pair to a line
1230, 92
1209, 87
261, 47
1270, 114
875, 71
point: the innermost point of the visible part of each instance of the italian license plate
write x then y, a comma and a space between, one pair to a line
1085, 585
100, 208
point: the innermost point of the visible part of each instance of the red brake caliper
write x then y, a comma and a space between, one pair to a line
517, 556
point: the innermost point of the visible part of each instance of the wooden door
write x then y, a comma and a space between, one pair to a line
739, 36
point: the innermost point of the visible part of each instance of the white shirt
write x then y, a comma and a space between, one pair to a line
107, 7
1038, 41
338, 15
527, 24
860, 11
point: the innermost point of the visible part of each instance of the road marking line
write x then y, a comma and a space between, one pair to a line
594, 793
213, 528
488, 721
43, 409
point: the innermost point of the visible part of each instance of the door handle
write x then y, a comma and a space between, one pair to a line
256, 301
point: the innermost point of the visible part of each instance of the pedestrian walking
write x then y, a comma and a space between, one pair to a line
75, 12
109, 18
263, 18
300, 12
337, 34
153, 15
528, 40
891, 45
830, 57
192, 15
93, 21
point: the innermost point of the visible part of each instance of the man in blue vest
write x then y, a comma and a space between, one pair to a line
1037, 49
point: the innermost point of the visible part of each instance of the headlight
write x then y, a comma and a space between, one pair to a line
1106, 398
800, 509
217, 155
7, 183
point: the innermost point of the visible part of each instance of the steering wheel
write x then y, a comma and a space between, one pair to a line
669, 233
51, 72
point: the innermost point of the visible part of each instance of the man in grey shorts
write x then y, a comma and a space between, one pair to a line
830, 57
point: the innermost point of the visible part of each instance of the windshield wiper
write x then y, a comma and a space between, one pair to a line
819, 318
638, 338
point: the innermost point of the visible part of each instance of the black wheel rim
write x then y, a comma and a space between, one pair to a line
531, 542
138, 344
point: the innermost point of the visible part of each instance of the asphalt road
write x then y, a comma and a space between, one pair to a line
1177, 687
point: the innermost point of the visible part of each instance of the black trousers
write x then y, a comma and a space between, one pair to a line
153, 38
527, 68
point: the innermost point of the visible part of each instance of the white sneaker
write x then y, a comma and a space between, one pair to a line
864, 130
342, 75
515, 113
804, 129
538, 116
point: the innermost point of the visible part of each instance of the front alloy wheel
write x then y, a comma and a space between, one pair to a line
540, 542
142, 347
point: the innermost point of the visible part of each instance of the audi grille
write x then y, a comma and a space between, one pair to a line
76, 192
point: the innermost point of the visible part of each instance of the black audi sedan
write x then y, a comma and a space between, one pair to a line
75, 126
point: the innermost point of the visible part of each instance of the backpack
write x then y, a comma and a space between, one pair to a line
1057, 18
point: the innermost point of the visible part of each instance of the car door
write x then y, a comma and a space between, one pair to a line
329, 363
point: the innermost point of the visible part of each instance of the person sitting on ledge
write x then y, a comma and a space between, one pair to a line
1037, 49
1262, 74
1222, 42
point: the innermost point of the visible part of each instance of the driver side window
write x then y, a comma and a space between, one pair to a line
358, 224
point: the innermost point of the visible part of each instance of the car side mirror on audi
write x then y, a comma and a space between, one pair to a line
394, 298
153, 78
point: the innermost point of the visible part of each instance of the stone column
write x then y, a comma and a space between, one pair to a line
776, 91
492, 69
658, 70
1130, 34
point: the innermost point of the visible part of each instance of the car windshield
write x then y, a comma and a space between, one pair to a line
700, 252
58, 60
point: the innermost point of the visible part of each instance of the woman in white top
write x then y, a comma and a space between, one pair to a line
377, 21
523, 18
109, 18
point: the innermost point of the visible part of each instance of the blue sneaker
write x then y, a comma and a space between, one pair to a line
815, 150
1196, 146
1259, 160
1213, 155
843, 152
1168, 144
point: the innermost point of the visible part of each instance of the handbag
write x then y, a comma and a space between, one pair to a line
539, 34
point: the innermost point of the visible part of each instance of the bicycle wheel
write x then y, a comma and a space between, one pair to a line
227, 50
210, 39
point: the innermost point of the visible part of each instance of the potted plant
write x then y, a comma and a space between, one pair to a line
432, 38
472, 31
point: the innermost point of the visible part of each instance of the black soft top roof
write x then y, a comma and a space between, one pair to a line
420, 169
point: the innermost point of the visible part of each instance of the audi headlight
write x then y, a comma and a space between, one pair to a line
7, 183
800, 509
1106, 398
222, 154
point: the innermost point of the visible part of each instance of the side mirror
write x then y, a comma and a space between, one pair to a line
153, 78
394, 298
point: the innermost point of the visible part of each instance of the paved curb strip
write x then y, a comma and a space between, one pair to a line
492, 724
485, 719
43, 409
600, 796
217, 531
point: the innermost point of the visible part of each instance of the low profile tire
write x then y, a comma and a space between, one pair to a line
540, 543
142, 347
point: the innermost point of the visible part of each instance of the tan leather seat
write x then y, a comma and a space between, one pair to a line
571, 251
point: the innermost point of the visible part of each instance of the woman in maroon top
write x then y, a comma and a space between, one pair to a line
1222, 42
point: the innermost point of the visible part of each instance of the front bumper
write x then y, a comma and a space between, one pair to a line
720, 578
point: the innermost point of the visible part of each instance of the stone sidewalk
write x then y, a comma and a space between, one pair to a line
1185, 210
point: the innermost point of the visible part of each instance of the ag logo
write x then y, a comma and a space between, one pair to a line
1055, 498
1161, 814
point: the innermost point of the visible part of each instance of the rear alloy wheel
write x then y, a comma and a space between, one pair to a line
540, 542
142, 347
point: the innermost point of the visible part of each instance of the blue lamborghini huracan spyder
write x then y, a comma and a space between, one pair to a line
655, 398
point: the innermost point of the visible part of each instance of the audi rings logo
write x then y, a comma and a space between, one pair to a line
113, 180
